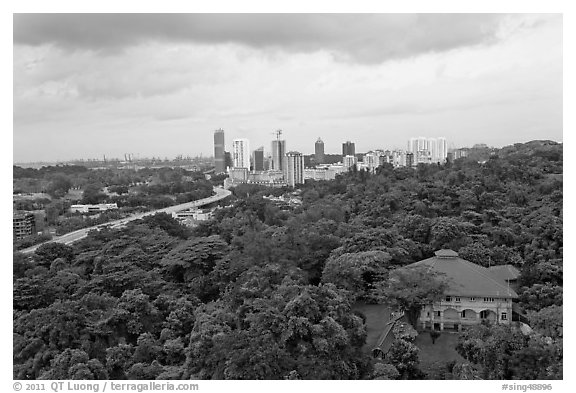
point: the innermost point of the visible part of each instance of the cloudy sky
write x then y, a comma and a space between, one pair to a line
86, 85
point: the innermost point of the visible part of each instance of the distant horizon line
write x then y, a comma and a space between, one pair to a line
58, 161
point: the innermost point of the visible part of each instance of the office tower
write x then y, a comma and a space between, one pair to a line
259, 159
349, 161
294, 168
219, 159
278, 153
240, 153
319, 151
348, 149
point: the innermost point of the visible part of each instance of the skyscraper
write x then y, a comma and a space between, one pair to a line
294, 168
442, 149
259, 159
319, 151
241, 153
278, 152
348, 149
219, 159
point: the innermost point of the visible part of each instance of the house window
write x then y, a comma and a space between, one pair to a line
472, 299
488, 299
457, 299
448, 298
484, 314
438, 313
463, 314
504, 316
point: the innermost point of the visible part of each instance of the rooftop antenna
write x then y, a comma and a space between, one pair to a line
278, 132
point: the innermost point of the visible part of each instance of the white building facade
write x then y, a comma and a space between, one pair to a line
474, 294
241, 153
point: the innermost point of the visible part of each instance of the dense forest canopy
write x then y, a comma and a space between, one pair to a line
266, 289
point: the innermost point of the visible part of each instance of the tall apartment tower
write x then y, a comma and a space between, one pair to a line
348, 149
259, 159
241, 153
278, 153
372, 161
294, 168
442, 149
319, 151
428, 150
349, 161
219, 155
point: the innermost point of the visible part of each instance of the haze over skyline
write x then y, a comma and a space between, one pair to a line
87, 85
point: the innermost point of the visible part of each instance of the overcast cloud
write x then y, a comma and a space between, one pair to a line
92, 84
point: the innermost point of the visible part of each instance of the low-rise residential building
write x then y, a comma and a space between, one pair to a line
23, 224
93, 208
474, 294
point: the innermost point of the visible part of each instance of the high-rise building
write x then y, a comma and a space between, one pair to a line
294, 168
409, 159
348, 149
241, 153
259, 159
371, 161
228, 159
319, 151
442, 149
428, 150
278, 153
349, 161
433, 149
219, 156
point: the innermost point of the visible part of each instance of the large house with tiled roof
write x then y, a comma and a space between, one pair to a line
474, 294
508, 273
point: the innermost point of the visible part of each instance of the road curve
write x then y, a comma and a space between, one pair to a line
82, 233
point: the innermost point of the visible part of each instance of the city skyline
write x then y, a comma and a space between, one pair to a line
83, 91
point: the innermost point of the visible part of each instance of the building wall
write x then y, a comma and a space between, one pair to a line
348, 149
23, 225
219, 158
372, 161
319, 151
241, 153
294, 170
93, 208
475, 311
278, 152
349, 161
259, 159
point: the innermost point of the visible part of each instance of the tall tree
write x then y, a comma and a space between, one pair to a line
410, 289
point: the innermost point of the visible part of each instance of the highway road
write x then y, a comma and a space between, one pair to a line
82, 233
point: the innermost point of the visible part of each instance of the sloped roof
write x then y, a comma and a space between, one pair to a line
465, 278
505, 272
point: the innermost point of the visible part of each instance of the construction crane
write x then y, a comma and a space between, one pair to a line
278, 133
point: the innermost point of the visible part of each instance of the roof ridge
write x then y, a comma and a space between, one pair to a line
471, 265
